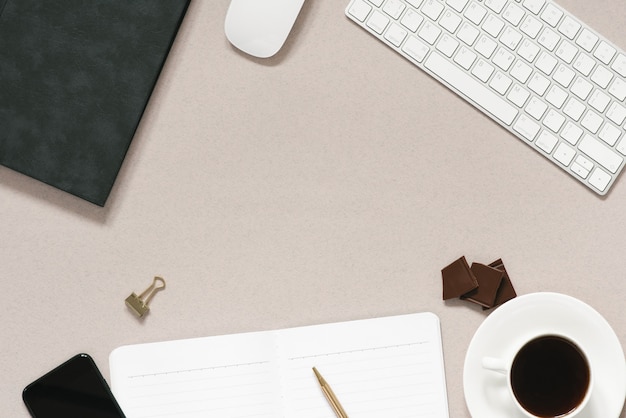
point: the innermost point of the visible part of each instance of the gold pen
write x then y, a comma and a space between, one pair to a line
330, 395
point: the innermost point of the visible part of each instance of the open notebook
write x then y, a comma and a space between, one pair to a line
388, 367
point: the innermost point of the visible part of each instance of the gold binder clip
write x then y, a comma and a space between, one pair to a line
139, 304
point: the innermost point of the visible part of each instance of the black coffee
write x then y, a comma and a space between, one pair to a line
549, 376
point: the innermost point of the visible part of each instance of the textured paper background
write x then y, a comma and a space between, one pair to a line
331, 182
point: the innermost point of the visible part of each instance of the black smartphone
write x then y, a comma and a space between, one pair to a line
75, 389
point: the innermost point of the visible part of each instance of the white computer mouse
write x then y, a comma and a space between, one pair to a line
260, 27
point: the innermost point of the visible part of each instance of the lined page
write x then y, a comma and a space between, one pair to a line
232, 376
385, 367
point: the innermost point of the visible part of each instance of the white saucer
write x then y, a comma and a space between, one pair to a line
486, 393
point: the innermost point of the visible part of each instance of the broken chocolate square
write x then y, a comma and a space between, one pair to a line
457, 279
506, 291
489, 280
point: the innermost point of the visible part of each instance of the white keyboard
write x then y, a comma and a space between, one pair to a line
530, 65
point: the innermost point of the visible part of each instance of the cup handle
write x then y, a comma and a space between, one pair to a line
495, 364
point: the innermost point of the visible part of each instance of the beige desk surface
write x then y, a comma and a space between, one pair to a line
331, 182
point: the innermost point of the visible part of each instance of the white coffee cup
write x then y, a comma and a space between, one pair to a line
548, 376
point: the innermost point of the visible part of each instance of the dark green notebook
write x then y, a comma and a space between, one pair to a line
75, 78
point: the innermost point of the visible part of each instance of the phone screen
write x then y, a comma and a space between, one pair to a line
75, 389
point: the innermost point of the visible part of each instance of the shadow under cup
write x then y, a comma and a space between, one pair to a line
550, 376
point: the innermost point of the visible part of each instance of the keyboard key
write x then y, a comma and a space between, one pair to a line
513, 14
412, 20
569, 27
536, 108
571, 133
518, 95
394, 8
378, 22
579, 170
526, 127
531, 26
395, 34
546, 63
601, 76
616, 113
500, 83
485, 46
604, 52
600, 153
599, 101
493, 26
546, 142
551, 15
528, 50
432, 9
549, 39
503, 59
521, 71
534, 5
447, 45
468, 33
556, 96
415, 3
450, 21
415, 48
619, 65
599, 179
581, 88
510, 38
483, 70
587, 40
566, 51
584, 64
472, 89
554, 120
457, 5
564, 154
574, 109
584, 163
609, 134
563, 75
591, 121
475, 13
495, 5
429, 32
360, 9
539, 84
465, 58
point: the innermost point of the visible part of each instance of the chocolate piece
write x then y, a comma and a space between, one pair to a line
489, 280
457, 279
506, 291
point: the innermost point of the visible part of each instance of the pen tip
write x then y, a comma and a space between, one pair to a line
318, 375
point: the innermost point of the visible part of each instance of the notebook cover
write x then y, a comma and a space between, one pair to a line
75, 78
